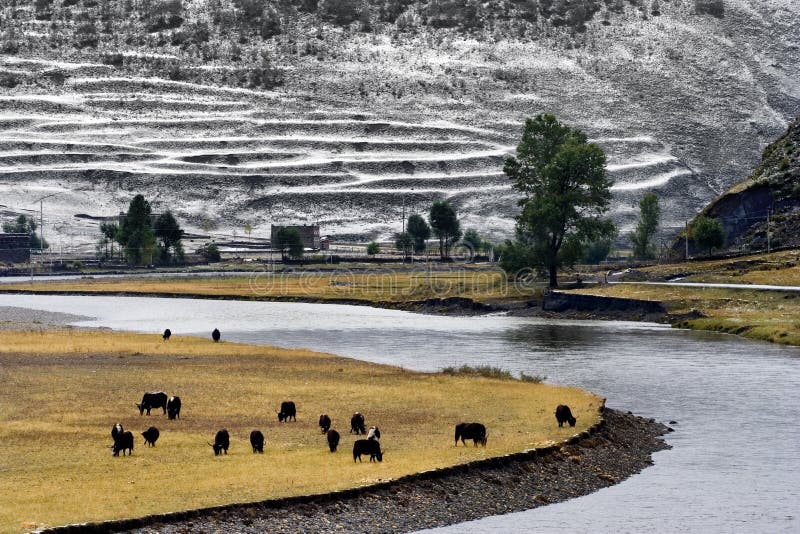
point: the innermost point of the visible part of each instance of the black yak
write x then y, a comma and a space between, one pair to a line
221, 442
167, 334
564, 415
150, 436
474, 431
333, 440
123, 442
367, 446
215, 335
357, 424
324, 423
287, 410
152, 399
174, 407
257, 441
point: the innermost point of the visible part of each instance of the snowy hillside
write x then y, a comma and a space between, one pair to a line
370, 121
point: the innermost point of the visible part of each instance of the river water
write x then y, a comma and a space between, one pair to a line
735, 462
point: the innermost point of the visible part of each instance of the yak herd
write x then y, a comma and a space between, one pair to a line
171, 405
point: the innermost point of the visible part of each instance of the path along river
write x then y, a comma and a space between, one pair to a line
735, 465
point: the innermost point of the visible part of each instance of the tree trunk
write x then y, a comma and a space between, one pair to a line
553, 276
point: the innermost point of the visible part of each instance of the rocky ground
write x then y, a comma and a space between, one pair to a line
620, 448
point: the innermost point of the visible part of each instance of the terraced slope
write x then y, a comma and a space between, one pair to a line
236, 156
366, 122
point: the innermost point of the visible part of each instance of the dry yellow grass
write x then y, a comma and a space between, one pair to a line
763, 315
63, 390
386, 286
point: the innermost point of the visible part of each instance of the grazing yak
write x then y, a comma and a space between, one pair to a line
152, 399
324, 423
221, 442
333, 440
287, 410
122, 442
116, 430
357, 424
257, 441
367, 446
474, 431
374, 433
564, 415
174, 407
215, 335
167, 334
150, 436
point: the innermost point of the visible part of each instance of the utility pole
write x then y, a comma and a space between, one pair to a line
41, 221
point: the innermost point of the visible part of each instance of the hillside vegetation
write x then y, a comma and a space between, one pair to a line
340, 112
768, 200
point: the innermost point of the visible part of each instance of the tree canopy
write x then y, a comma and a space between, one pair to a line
642, 236
289, 242
136, 232
566, 192
170, 234
445, 225
404, 242
707, 233
419, 231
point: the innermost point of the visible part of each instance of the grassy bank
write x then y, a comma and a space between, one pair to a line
379, 285
63, 390
772, 316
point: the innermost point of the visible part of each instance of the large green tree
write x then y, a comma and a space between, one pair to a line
445, 225
642, 236
566, 193
136, 232
419, 231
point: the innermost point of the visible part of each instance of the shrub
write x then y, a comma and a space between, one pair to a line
373, 248
209, 252
486, 371
535, 379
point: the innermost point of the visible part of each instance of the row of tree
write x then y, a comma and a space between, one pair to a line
143, 238
443, 223
26, 225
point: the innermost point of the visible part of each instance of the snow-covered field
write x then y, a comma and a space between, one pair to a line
681, 103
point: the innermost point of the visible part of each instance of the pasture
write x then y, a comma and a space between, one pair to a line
378, 286
64, 389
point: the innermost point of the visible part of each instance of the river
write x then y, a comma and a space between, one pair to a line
735, 462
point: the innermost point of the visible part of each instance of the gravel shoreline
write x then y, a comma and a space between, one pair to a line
620, 447
16, 318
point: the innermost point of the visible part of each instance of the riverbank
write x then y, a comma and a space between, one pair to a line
621, 446
238, 387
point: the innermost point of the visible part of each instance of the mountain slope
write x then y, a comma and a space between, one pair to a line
345, 123
768, 199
